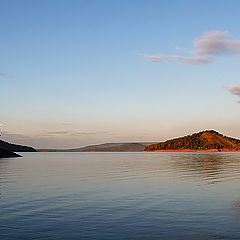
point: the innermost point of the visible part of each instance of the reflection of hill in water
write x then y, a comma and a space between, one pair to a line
213, 167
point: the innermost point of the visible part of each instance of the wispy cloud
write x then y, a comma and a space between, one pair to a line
57, 139
92, 133
16, 136
190, 60
235, 90
205, 49
158, 58
1, 74
75, 133
193, 59
59, 132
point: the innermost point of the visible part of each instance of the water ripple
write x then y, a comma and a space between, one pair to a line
120, 196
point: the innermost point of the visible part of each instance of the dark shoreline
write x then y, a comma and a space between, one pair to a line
8, 154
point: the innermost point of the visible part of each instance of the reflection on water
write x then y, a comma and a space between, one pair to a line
120, 196
211, 167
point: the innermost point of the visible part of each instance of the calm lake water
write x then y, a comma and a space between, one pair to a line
120, 196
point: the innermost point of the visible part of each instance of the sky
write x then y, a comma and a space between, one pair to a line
74, 73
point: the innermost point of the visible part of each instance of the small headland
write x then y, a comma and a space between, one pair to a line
205, 141
8, 154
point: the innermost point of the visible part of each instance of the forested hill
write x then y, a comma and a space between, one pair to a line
205, 140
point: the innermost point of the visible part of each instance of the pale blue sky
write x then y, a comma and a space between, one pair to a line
74, 72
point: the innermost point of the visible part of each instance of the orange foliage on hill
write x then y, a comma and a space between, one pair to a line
209, 140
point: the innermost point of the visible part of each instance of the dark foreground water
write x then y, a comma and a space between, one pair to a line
120, 196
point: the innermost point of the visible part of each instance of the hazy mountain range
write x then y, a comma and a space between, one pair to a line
105, 147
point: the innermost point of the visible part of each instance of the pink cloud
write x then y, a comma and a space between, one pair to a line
206, 48
235, 90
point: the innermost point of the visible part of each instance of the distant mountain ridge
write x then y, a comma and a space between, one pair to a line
208, 140
15, 147
105, 147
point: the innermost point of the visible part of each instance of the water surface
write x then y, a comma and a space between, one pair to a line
120, 196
